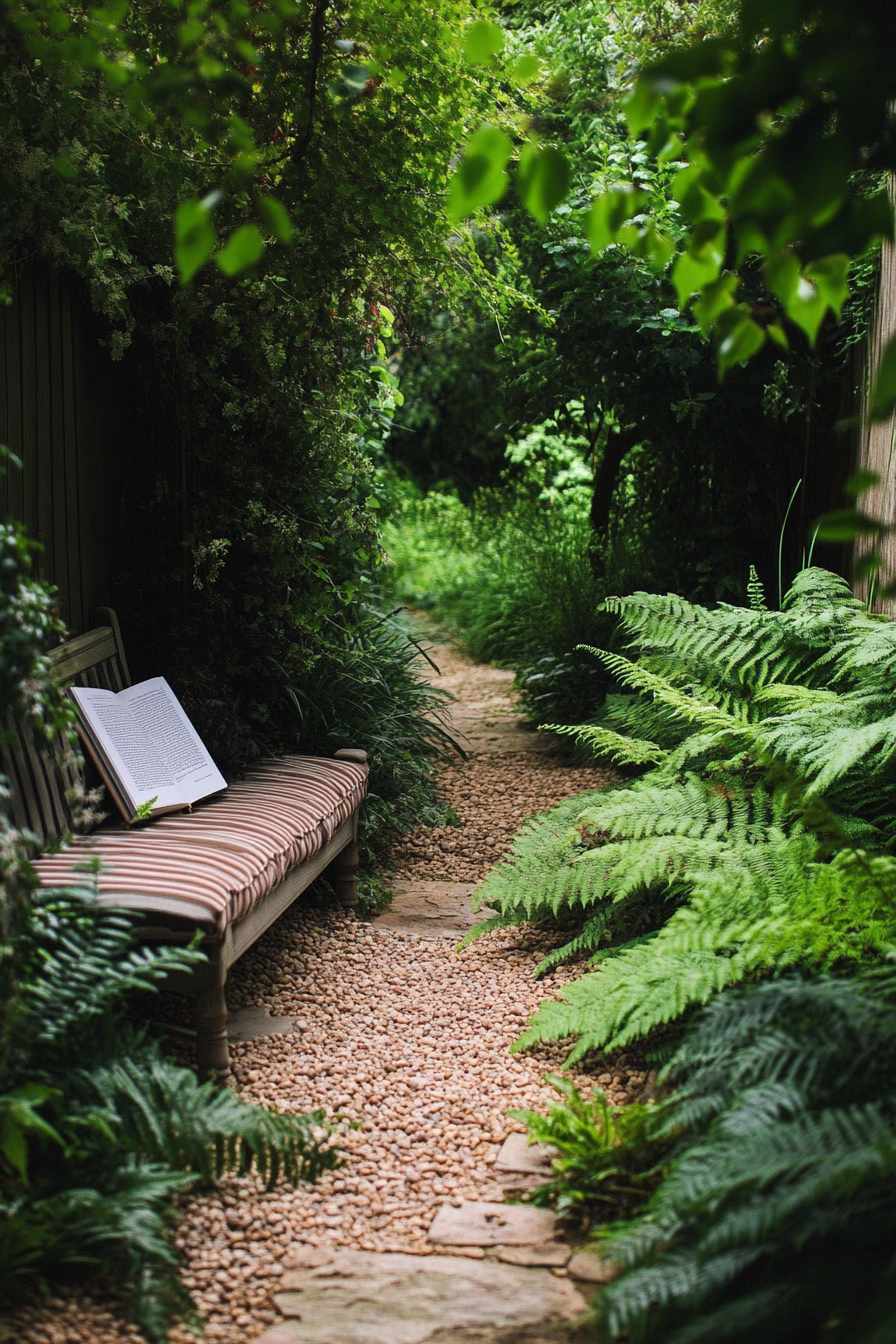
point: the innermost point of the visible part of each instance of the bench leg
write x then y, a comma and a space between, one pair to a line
212, 1051
343, 873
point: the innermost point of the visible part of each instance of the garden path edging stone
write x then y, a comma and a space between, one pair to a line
361, 1297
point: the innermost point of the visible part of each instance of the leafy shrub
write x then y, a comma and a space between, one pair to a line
604, 1158
98, 1130
511, 577
367, 691
723, 859
777, 1218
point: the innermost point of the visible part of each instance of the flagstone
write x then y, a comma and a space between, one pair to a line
481, 1223
367, 1298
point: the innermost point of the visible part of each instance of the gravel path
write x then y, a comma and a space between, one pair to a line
402, 1037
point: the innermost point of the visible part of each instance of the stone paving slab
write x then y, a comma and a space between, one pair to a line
518, 1154
249, 1024
362, 1297
431, 909
549, 1254
480, 1223
592, 1268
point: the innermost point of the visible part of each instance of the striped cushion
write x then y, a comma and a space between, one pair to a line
214, 864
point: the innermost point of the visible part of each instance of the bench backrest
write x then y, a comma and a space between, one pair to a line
39, 777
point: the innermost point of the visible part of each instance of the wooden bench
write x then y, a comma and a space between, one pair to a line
229, 868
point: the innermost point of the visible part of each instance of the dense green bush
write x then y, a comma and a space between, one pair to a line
247, 538
777, 1216
510, 573
98, 1130
752, 842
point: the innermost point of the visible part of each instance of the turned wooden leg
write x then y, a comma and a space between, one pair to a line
212, 1051
343, 873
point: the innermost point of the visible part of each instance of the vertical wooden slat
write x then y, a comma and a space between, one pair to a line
877, 443
10, 409
69, 506
90, 500
16, 439
46, 485
57, 393
27, 319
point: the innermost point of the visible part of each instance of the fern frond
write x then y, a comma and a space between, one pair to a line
160, 1111
604, 742
588, 940
777, 1217
631, 994
686, 707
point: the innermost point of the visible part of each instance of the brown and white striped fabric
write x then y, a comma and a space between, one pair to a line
214, 864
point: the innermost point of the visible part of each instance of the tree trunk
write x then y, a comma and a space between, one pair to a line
616, 447
877, 442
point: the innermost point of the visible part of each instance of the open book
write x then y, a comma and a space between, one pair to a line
146, 749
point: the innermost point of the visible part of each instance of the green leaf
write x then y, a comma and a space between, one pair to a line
543, 179
883, 396
831, 277
807, 294
608, 214
782, 273
194, 236
645, 242
480, 178
807, 307
778, 335
715, 298
64, 166
243, 250
692, 272
741, 340
846, 525
13, 1145
670, 150
276, 219
484, 40
526, 69
862, 480
641, 107
189, 33
351, 82
696, 202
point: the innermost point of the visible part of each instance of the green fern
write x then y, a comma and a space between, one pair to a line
158, 1110
604, 742
99, 1129
777, 1218
603, 1159
779, 910
770, 743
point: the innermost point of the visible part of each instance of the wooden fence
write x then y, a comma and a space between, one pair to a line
101, 485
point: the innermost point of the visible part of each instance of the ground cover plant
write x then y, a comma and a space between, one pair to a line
756, 837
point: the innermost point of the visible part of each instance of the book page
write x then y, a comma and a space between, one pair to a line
159, 715
139, 767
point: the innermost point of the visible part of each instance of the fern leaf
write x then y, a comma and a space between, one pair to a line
604, 742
